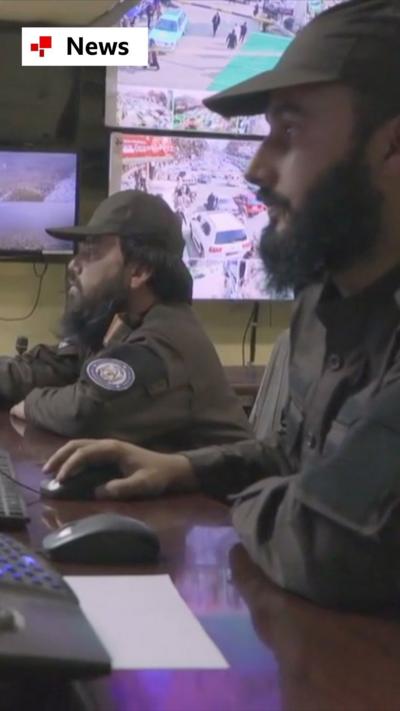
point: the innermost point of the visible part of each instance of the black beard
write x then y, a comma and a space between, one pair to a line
337, 227
87, 324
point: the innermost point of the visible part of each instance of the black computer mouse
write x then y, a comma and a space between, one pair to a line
103, 539
80, 486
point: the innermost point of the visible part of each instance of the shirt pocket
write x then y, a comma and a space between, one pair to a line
348, 415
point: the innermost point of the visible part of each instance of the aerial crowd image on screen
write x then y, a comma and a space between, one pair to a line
197, 49
202, 180
37, 190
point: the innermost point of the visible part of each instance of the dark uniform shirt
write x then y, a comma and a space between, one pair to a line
157, 383
320, 513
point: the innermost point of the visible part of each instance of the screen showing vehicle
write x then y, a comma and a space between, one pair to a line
202, 181
196, 49
37, 190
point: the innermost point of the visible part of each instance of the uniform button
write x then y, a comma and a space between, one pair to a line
334, 361
311, 440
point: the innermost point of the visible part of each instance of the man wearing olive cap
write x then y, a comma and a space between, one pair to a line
318, 507
134, 362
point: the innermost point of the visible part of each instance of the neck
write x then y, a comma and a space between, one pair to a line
368, 271
140, 303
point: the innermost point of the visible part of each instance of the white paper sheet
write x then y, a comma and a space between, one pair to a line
144, 623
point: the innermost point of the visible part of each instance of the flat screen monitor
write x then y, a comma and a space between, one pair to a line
38, 189
202, 181
193, 55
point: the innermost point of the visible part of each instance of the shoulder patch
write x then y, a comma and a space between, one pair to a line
111, 374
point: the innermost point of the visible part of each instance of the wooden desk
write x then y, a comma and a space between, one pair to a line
284, 653
245, 379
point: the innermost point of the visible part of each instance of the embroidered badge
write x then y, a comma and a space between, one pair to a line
110, 374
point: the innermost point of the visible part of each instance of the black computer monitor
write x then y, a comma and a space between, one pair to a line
202, 180
38, 189
191, 58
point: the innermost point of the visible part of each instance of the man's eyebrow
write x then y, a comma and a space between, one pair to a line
276, 110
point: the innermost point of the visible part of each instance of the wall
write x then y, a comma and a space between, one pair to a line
224, 322
18, 289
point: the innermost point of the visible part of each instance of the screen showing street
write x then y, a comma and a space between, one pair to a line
197, 49
202, 180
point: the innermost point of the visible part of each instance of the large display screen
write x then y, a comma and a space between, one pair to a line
196, 49
202, 181
37, 190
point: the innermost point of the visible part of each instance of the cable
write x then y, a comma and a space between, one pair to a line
253, 333
19, 483
66, 286
32, 503
40, 277
23, 486
246, 330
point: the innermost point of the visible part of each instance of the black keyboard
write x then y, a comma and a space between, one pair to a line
13, 513
22, 570
43, 631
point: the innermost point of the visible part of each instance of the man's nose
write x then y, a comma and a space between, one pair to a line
262, 170
74, 267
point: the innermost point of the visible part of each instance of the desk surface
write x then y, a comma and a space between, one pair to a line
245, 379
284, 653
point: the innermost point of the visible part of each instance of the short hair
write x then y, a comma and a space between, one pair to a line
170, 279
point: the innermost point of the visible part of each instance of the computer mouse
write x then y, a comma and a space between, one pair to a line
103, 539
80, 486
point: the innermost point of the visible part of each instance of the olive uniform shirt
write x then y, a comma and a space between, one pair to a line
158, 383
320, 513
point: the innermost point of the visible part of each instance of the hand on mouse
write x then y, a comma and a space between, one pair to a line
143, 473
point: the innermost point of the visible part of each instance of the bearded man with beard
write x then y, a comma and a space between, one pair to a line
318, 506
134, 362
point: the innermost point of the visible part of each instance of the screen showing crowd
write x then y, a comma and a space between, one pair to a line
202, 180
37, 190
196, 49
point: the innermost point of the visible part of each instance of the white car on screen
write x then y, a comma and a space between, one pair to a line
169, 28
218, 235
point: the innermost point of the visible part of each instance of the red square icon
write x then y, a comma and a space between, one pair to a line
45, 42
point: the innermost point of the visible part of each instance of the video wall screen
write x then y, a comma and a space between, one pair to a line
37, 190
202, 181
196, 49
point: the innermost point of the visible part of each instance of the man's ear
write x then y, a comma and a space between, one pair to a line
139, 276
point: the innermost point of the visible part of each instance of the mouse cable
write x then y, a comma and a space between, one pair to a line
19, 483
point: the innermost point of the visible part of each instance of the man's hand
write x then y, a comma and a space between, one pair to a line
19, 410
143, 473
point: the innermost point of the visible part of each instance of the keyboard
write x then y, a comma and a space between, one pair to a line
13, 513
22, 571
43, 631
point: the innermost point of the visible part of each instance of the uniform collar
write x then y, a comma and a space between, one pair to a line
120, 327
332, 304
